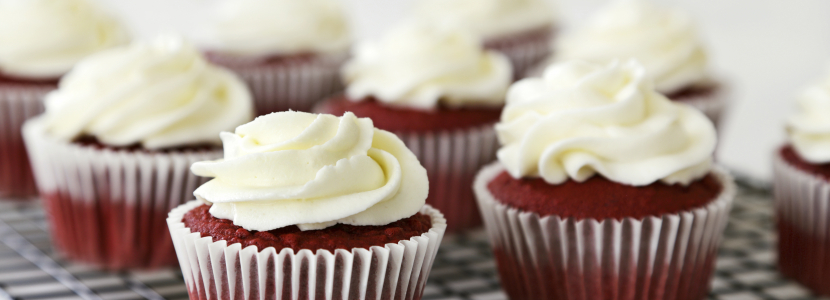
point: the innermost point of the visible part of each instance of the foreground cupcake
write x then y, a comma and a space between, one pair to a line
40, 40
308, 206
663, 40
289, 52
111, 154
441, 93
605, 185
521, 29
802, 192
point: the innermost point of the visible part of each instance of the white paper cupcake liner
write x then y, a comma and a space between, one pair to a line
452, 159
802, 204
17, 104
108, 207
296, 86
216, 270
524, 54
667, 257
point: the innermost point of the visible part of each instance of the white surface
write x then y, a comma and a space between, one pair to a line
766, 49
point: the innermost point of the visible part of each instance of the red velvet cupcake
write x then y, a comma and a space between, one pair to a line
288, 52
325, 208
39, 42
604, 189
520, 29
802, 192
111, 154
664, 40
441, 93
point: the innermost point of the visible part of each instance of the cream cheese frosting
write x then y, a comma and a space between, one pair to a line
581, 118
44, 39
313, 171
161, 93
809, 127
259, 28
421, 66
487, 18
664, 40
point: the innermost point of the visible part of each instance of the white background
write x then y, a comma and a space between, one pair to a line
766, 49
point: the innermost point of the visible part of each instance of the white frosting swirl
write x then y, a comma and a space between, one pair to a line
276, 27
313, 171
581, 119
161, 94
663, 40
419, 66
487, 18
43, 39
809, 127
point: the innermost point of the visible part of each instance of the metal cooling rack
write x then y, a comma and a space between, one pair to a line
464, 268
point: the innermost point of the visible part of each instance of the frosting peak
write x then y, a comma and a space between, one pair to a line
43, 39
313, 171
161, 94
809, 127
280, 27
582, 118
663, 40
487, 18
419, 66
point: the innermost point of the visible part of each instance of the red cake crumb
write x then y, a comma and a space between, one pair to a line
692, 92
339, 236
599, 198
391, 118
792, 157
91, 141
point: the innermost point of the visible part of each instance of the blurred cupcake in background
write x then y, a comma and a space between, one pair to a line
604, 184
441, 92
664, 40
112, 152
521, 29
288, 52
802, 191
40, 41
325, 208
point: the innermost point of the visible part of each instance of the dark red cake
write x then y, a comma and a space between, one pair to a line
405, 119
790, 156
339, 236
599, 198
91, 141
693, 92
274, 60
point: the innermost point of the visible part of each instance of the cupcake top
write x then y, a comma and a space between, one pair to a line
43, 39
420, 66
160, 93
487, 18
663, 40
582, 118
313, 171
809, 127
258, 28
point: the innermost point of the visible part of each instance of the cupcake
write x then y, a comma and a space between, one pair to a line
802, 192
603, 189
521, 29
288, 52
112, 151
40, 40
441, 93
663, 40
324, 207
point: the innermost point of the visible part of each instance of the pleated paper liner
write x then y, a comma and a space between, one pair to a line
452, 159
665, 257
18, 103
108, 207
525, 50
216, 270
802, 204
297, 85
